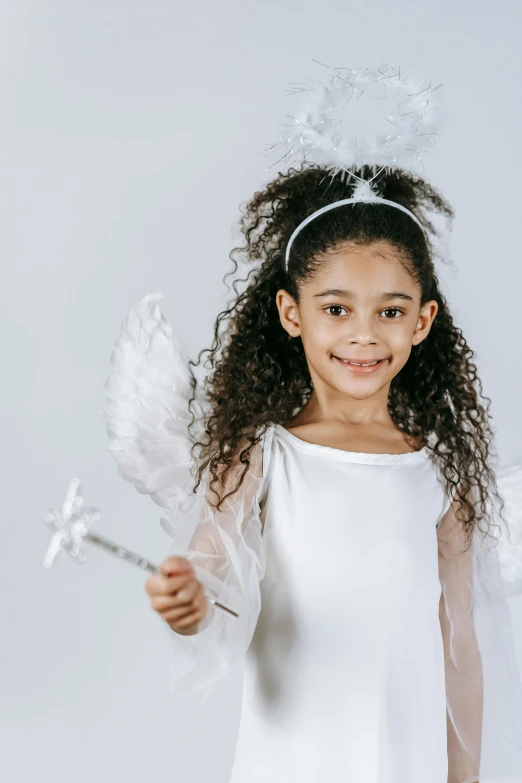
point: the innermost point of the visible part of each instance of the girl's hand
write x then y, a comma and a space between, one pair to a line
177, 595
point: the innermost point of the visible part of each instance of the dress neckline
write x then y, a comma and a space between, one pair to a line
352, 456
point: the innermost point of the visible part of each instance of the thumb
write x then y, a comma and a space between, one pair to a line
173, 566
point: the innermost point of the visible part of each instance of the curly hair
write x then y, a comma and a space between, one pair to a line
258, 374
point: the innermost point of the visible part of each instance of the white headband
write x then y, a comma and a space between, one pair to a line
355, 200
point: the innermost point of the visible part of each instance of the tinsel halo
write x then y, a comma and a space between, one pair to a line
317, 132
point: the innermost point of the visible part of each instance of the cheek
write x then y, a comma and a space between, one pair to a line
318, 337
399, 339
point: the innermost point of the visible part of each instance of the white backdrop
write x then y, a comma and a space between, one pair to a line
131, 132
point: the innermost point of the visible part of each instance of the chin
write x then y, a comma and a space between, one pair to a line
356, 393
357, 390
360, 386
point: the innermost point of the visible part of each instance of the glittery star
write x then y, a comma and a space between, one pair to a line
70, 526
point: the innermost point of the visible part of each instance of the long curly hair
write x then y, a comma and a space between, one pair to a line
258, 374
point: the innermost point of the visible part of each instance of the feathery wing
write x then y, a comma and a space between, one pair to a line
509, 479
146, 406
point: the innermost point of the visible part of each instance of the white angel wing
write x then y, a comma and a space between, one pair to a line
509, 479
146, 406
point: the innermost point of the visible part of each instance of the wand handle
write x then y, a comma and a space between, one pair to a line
131, 557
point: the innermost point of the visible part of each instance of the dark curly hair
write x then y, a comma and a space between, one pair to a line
258, 374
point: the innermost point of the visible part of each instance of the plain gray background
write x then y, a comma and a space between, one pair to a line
131, 132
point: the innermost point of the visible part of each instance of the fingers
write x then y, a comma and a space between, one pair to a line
180, 597
176, 571
186, 622
176, 594
195, 611
163, 585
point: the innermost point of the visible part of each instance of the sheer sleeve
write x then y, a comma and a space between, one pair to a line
483, 679
463, 666
225, 548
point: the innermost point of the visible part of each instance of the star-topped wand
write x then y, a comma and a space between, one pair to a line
71, 528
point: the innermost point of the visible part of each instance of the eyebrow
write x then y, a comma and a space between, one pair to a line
385, 296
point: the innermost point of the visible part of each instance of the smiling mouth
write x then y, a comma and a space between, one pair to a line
359, 364
361, 368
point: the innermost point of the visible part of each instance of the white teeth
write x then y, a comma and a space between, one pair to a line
362, 365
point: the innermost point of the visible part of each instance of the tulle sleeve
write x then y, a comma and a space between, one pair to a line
483, 676
225, 548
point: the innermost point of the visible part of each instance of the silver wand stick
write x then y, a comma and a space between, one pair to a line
71, 528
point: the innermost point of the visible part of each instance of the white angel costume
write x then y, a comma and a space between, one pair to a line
376, 650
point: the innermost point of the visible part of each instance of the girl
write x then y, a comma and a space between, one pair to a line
343, 476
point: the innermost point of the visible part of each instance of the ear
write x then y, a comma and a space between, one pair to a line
424, 321
288, 313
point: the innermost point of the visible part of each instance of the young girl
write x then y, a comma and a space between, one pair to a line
343, 501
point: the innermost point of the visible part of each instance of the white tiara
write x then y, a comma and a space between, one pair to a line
316, 132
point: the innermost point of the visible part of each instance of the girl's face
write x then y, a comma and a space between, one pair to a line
361, 306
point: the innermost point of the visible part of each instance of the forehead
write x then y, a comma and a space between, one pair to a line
363, 269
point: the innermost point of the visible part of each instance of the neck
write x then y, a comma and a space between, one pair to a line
326, 404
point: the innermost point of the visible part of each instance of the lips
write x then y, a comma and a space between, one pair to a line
359, 369
359, 361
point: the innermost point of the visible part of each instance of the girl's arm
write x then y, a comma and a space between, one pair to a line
464, 674
225, 548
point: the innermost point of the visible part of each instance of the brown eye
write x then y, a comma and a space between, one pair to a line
392, 309
335, 309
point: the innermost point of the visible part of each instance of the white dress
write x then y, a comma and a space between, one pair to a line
376, 650
331, 692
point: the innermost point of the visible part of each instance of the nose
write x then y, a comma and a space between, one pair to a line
362, 329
